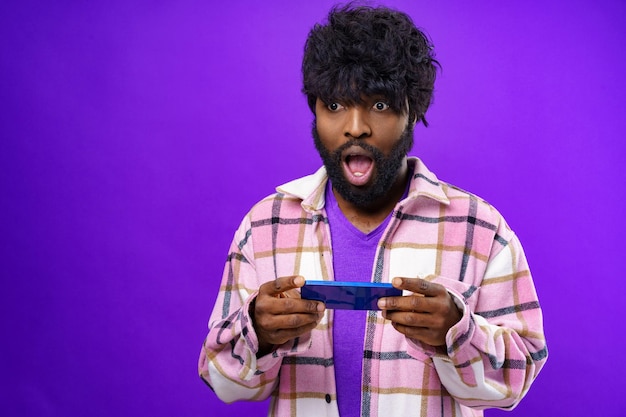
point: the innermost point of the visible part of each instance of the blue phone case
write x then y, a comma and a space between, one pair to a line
348, 295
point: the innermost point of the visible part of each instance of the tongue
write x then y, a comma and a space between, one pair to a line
359, 164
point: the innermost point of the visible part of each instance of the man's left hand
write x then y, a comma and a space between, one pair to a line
426, 315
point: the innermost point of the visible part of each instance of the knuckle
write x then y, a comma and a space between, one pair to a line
446, 309
436, 323
414, 302
277, 285
260, 307
288, 303
262, 321
294, 321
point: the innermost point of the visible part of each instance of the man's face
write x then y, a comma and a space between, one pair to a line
363, 147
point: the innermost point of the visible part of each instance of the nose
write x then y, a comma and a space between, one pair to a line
357, 125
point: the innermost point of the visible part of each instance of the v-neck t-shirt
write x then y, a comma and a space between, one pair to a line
353, 260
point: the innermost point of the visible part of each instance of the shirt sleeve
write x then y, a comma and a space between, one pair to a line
497, 349
228, 362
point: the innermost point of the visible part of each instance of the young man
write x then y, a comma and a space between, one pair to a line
467, 333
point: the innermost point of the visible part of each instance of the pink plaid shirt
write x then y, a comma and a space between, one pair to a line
456, 239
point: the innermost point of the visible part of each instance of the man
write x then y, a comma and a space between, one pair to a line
467, 333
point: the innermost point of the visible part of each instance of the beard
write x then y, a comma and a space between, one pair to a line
387, 168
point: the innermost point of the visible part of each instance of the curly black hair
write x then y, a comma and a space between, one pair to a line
364, 50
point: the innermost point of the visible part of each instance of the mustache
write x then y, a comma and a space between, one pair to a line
375, 152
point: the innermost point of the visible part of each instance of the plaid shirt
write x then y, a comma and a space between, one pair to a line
441, 232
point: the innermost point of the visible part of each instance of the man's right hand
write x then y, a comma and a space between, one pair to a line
279, 314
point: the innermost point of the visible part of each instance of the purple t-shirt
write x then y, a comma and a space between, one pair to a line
353, 259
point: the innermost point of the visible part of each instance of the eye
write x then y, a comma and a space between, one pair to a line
380, 106
334, 106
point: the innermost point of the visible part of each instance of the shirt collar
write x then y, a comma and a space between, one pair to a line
424, 183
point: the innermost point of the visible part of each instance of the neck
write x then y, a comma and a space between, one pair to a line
371, 216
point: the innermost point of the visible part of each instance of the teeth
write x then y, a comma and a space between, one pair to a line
358, 174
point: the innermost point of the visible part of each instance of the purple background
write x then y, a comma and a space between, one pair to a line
135, 136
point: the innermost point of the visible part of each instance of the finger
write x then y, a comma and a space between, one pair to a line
282, 284
277, 329
418, 286
280, 336
423, 334
411, 319
413, 303
286, 304
292, 293
292, 321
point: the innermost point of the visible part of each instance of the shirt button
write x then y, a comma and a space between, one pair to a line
328, 398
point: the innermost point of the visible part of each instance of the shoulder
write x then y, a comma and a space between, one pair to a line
477, 210
447, 198
274, 206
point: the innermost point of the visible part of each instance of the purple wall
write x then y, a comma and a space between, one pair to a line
135, 135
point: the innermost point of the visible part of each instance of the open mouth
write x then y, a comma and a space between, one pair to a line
357, 167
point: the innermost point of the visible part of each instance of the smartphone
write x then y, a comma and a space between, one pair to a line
348, 295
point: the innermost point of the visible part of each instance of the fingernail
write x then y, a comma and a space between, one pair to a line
396, 281
298, 281
382, 303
